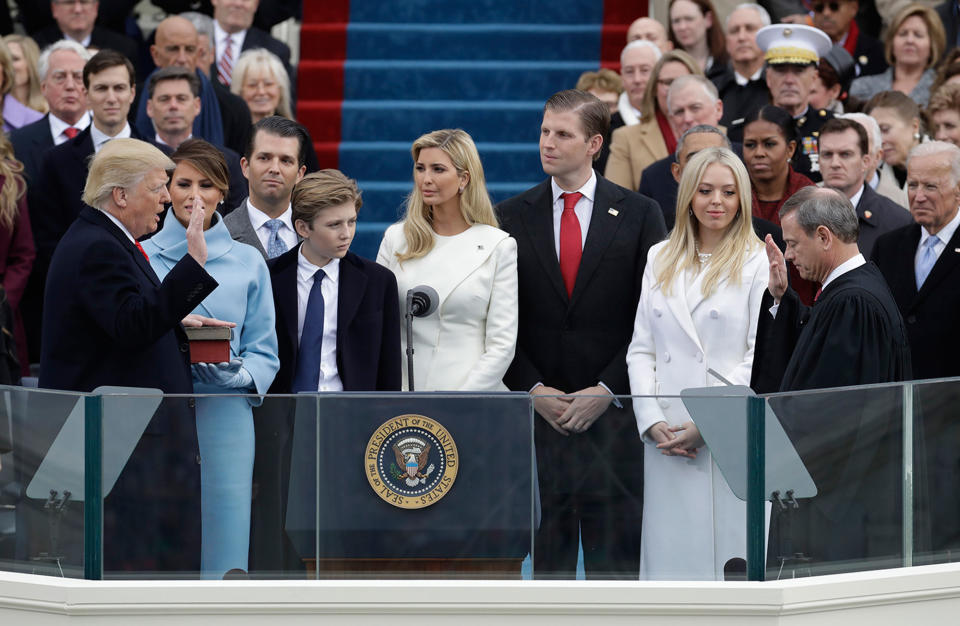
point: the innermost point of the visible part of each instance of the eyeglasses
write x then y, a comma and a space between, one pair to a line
820, 6
60, 77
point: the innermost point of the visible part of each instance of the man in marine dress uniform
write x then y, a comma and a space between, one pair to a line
792, 53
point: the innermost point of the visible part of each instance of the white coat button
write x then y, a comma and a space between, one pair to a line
714, 313
664, 403
657, 312
699, 357
666, 357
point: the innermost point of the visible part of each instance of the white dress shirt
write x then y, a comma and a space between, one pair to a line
258, 219
120, 225
220, 37
329, 374
855, 198
57, 126
743, 81
945, 234
160, 140
584, 208
99, 138
850, 264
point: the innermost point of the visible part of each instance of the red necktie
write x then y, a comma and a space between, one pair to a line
571, 241
225, 67
816, 296
70, 132
142, 251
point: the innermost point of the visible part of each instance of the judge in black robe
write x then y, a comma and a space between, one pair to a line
850, 440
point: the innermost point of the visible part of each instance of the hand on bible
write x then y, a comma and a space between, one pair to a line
199, 320
196, 242
550, 403
587, 405
777, 285
686, 439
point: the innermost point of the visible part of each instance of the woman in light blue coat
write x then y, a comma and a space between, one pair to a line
244, 296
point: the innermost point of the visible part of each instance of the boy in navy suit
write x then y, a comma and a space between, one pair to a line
338, 329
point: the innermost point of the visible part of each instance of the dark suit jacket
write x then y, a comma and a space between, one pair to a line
101, 38
884, 215
930, 313
572, 343
30, 142
257, 38
950, 22
109, 321
739, 102
236, 118
368, 324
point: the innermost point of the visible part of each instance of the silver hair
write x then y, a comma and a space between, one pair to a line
43, 63
641, 43
873, 129
759, 10
682, 81
933, 148
700, 129
822, 206
203, 23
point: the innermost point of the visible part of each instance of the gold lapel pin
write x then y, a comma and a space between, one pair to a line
612, 211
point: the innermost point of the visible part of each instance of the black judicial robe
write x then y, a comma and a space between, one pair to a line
849, 440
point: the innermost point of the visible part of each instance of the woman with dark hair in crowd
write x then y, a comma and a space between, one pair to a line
830, 88
16, 241
200, 182
901, 127
949, 71
695, 28
769, 144
913, 46
633, 148
713, 267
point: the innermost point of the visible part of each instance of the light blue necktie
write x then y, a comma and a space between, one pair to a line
275, 245
928, 257
307, 375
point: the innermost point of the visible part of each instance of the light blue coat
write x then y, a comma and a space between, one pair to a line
225, 424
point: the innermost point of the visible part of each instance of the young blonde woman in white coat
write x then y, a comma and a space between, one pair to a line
449, 240
698, 309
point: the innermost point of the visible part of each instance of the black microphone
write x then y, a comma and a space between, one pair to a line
423, 300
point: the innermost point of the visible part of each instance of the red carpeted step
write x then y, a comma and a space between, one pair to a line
320, 80
321, 11
328, 153
324, 42
322, 118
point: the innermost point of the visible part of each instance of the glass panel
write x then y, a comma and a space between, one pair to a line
41, 482
851, 443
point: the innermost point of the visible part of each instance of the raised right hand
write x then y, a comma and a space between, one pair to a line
196, 242
777, 285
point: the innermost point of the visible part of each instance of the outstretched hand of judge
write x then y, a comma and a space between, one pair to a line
230, 375
777, 284
196, 241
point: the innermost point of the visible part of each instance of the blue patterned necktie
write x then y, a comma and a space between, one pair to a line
928, 257
275, 245
307, 376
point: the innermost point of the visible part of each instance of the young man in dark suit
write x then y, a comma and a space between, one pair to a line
338, 329
582, 246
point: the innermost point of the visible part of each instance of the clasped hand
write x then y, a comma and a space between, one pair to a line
570, 413
230, 375
680, 440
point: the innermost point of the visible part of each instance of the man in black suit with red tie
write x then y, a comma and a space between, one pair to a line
338, 329
921, 264
582, 245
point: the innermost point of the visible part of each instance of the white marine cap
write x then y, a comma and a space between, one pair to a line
793, 43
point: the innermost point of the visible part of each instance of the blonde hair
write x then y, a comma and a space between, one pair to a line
321, 190
475, 202
649, 104
935, 32
121, 163
258, 58
13, 184
680, 253
31, 54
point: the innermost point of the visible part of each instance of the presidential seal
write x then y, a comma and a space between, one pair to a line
411, 461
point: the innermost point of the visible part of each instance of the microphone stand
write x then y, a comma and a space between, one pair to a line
409, 319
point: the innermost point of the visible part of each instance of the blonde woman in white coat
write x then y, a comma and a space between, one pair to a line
698, 309
449, 240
